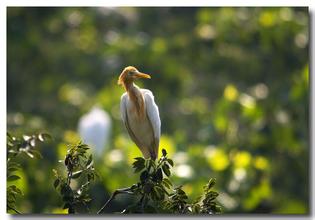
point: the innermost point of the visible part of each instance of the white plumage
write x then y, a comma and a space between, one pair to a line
94, 129
145, 132
140, 115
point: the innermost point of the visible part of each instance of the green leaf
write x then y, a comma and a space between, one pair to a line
217, 209
89, 160
32, 142
166, 170
159, 174
56, 183
212, 195
43, 137
164, 153
84, 146
55, 172
160, 193
154, 193
13, 178
138, 165
90, 176
166, 182
67, 159
144, 175
170, 161
15, 190
81, 151
14, 164
211, 183
180, 191
12, 169
77, 174
29, 154
26, 137
9, 136
36, 154
196, 208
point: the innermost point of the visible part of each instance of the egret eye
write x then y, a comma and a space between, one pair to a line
130, 73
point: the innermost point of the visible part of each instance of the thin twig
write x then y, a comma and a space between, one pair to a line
17, 212
115, 193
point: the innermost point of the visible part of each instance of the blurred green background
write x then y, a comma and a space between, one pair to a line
232, 86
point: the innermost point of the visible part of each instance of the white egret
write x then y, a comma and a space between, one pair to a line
94, 129
139, 113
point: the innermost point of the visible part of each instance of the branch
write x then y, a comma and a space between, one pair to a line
115, 193
17, 212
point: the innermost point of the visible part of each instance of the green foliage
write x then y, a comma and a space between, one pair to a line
231, 84
80, 168
157, 194
16, 147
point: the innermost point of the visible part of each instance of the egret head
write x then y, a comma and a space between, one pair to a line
129, 74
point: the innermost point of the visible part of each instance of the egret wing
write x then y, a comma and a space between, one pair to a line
152, 111
124, 117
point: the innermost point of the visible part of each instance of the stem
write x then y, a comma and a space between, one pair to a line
69, 177
142, 203
115, 193
17, 212
160, 162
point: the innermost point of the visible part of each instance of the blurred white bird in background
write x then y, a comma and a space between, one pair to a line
95, 128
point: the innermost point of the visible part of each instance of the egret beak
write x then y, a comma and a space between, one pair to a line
142, 75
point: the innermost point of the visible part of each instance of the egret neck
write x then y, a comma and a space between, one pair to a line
136, 98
